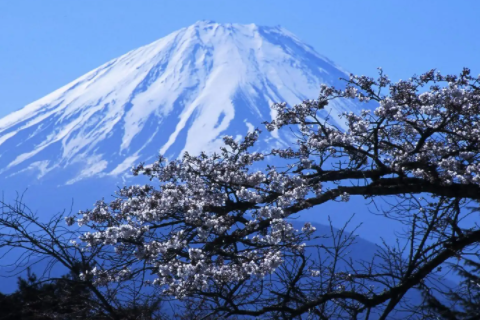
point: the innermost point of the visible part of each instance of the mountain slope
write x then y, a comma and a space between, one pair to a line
182, 92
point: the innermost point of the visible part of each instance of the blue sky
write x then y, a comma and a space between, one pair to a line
46, 44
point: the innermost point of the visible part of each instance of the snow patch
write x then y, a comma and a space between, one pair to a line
125, 165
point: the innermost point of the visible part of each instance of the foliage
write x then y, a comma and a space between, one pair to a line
47, 300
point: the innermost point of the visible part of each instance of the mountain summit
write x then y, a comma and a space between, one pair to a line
180, 93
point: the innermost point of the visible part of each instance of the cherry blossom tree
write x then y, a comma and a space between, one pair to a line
215, 231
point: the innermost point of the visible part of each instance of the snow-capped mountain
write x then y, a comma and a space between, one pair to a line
182, 92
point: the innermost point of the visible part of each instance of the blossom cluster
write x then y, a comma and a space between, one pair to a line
212, 218
430, 133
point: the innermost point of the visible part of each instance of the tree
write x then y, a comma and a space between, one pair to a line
60, 298
47, 300
215, 231
462, 302
75, 295
215, 228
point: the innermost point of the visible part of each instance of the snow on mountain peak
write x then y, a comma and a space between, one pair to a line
182, 92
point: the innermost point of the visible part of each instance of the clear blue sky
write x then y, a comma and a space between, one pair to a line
45, 44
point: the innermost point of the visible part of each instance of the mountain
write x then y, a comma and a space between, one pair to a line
182, 92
